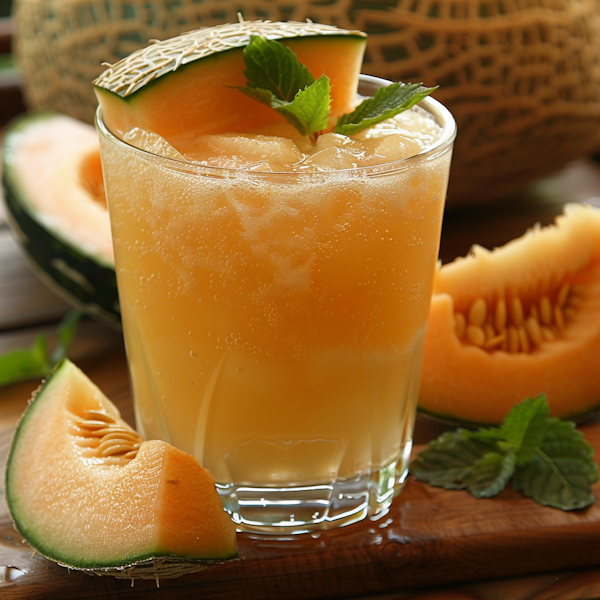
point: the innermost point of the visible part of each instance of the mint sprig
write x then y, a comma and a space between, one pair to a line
545, 458
278, 79
386, 103
36, 361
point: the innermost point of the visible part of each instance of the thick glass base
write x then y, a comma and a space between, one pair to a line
302, 509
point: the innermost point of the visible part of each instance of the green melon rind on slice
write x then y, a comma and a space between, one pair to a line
145, 67
103, 86
84, 279
458, 421
27, 485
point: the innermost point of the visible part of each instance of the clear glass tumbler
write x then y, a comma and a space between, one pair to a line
274, 322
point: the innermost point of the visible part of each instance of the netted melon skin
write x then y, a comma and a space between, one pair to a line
520, 76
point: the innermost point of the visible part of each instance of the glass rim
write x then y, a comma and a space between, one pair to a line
434, 107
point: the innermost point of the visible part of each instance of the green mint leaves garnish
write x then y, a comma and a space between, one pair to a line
36, 361
278, 79
385, 104
545, 458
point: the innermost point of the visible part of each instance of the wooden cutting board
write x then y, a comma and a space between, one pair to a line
429, 537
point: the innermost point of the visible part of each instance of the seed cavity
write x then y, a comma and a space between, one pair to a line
101, 440
518, 324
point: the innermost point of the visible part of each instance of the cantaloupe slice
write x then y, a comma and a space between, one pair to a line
185, 86
86, 491
517, 322
55, 205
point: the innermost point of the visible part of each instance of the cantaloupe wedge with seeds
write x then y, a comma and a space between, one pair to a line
185, 86
86, 491
521, 320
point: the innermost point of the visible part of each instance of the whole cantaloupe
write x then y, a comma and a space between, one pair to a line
521, 77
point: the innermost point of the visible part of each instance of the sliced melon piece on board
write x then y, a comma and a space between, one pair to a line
185, 86
55, 203
516, 322
86, 491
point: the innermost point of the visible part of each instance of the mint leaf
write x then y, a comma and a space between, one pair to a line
21, 365
525, 425
546, 458
36, 362
309, 111
278, 79
562, 470
385, 104
449, 460
273, 67
491, 473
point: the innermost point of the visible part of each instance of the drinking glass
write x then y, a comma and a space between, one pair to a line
274, 322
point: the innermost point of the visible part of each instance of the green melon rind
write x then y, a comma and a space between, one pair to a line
82, 279
151, 565
454, 421
186, 70
147, 66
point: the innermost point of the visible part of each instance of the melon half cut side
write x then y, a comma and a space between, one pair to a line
516, 322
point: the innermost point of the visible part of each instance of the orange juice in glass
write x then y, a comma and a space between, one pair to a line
274, 297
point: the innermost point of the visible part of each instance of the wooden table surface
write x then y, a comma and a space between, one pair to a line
433, 543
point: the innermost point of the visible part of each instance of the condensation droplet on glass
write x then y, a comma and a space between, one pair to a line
239, 369
193, 354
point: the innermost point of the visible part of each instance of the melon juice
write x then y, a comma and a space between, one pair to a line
274, 296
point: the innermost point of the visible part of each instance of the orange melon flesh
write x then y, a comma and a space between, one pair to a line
88, 512
200, 97
462, 382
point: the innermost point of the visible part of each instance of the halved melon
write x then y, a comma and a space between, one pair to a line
54, 196
185, 86
516, 322
86, 491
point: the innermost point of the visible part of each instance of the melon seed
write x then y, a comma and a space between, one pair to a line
546, 310
490, 332
478, 312
513, 339
524, 339
534, 331
475, 335
516, 312
496, 341
500, 320
506, 328
563, 294
101, 437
